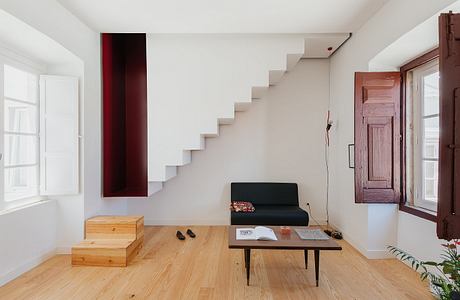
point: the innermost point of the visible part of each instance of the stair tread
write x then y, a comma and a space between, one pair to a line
115, 219
104, 243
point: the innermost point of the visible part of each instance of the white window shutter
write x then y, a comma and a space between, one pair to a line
59, 172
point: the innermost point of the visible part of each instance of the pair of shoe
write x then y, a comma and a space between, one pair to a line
334, 233
181, 237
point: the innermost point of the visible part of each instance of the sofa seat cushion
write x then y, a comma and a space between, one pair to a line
272, 215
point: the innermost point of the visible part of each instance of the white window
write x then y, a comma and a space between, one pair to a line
423, 135
20, 133
39, 141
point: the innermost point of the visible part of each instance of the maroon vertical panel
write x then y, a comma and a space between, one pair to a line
448, 223
377, 137
124, 87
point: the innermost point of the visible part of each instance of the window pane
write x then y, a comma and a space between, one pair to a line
20, 85
20, 149
430, 180
431, 138
20, 183
20, 117
431, 94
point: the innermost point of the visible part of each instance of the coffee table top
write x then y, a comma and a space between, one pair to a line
286, 242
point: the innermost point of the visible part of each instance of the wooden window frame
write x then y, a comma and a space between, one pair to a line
419, 61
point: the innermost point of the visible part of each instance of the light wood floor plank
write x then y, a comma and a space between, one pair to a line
204, 268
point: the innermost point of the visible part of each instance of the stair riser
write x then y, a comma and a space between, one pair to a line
242, 106
134, 249
104, 257
97, 230
107, 231
155, 187
99, 257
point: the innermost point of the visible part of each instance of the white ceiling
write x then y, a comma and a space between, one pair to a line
19, 38
224, 16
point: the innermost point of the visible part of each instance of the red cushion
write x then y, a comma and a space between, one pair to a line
242, 206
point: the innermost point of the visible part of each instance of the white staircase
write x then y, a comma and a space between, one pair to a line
183, 116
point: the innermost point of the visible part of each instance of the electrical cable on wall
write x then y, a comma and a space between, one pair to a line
334, 233
326, 160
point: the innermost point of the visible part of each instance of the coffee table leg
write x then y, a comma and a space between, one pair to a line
247, 260
306, 258
317, 267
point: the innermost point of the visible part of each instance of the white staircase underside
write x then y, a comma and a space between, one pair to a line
190, 96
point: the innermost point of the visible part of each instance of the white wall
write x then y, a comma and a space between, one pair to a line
418, 237
363, 224
27, 238
280, 138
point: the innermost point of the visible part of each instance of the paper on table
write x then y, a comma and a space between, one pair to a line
260, 233
311, 234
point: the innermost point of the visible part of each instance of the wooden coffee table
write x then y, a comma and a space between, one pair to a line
284, 242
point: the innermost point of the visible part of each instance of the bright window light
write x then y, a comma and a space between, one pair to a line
20, 134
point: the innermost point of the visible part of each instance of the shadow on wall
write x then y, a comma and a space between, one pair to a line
225, 199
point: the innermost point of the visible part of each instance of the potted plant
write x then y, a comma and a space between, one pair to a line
444, 276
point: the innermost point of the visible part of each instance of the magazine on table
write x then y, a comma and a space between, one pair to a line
311, 234
259, 233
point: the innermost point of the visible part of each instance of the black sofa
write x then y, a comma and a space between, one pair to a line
275, 204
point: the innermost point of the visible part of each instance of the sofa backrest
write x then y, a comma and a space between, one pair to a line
265, 193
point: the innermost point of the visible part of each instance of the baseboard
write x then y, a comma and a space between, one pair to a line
320, 222
379, 254
27, 266
360, 248
369, 254
185, 222
64, 250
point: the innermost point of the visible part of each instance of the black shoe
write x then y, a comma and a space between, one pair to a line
180, 236
190, 233
337, 235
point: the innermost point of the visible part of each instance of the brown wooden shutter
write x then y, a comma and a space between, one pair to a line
377, 137
449, 144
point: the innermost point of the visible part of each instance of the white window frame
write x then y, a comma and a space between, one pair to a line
418, 117
19, 62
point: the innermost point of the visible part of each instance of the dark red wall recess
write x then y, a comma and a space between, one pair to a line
124, 91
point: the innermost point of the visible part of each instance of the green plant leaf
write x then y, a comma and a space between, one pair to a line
430, 263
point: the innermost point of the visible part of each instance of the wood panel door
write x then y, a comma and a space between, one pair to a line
377, 137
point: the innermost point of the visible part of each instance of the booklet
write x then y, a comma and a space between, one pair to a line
311, 234
259, 233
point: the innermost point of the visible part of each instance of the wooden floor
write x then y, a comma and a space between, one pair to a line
204, 268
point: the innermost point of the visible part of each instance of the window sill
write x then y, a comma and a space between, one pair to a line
21, 204
419, 212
